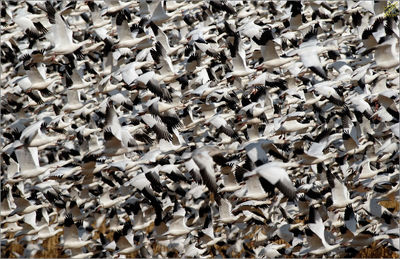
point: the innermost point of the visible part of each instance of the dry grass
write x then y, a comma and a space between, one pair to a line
391, 203
377, 252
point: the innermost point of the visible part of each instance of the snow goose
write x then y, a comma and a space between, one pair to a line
75, 81
238, 55
28, 161
159, 15
48, 231
6, 202
139, 220
367, 172
30, 23
74, 101
114, 6
293, 126
253, 190
124, 240
328, 90
220, 123
230, 183
387, 54
270, 251
366, 238
106, 202
72, 240
24, 206
33, 136
124, 34
61, 34
192, 251
358, 103
203, 159
268, 51
316, 235
163, 39
309, 51
340, 193
225, 212
160, 56
350, 220
276, 176
38, 79
159, 108
117, 138
29, 225
178, 227
151, 81
156, 125
97, 20
387, 99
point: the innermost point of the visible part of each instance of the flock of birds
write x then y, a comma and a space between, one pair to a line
199, 129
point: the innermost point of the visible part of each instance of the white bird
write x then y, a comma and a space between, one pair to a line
387, 54
33, 136
238, 55
61, 34
316, 237
225, 212
126, 40
270, 251
268, 51
309, 53
106, 202
37, 77
28, 161
24, 206
230, 183
72, 239
203, 159
159, 15
125, 243
163, 39
178, 227
117, 138
277, 177
340, 193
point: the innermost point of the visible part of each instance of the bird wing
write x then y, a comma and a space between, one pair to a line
316, 149
278, 177
126, 137
317, 225
62, 34
310, 58
22, 203
268, 51
128, 73
112, 122
206, 165
73, 96
27, 159
159, 12
70, 229
123, 243
339, 192
225, 209
30, 219
160, 36
34, 75
350, 219
124, 33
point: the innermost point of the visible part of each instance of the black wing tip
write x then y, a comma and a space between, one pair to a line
68, 221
